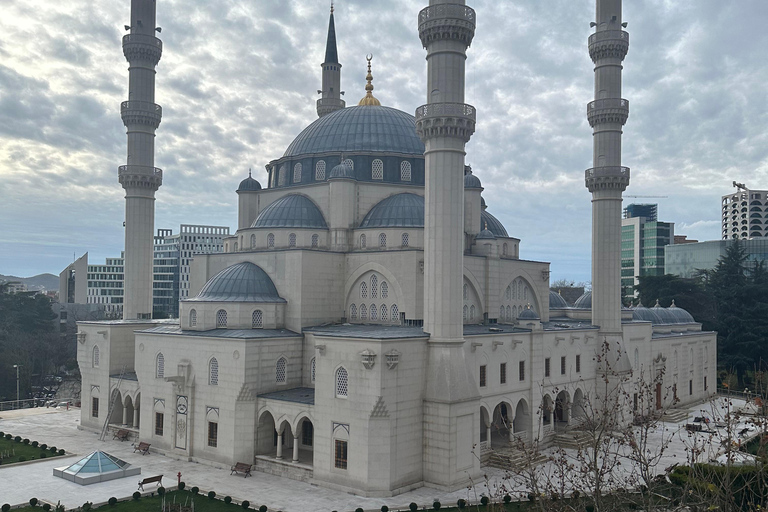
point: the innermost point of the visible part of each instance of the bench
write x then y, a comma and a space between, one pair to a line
151, 480
121, 434
241, 467
141, 447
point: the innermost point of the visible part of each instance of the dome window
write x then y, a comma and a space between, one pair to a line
377, 170
320, 171
271, 241
253, 241
362, 241
405, 171
349, 163
292, 240
382, 240
384, 312
257, 319
315, 240
221, 318
280, 370
281, 176
405, 240
193, 318
297, 173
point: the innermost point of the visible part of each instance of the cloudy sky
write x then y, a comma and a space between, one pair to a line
238, 82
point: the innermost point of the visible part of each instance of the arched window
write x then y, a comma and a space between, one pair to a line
213, 372
465, 292
342, 382
504, 249
297, 173
377, 170
353, 312
395, 313
374, 286
384, 290
257, 319
320, 170
405, 171
312, 370
292, 240
404, 240
253, 241
472, 312
160, 366
315, 240
466, 313
362, 241
280, 370
349, 163
271, 241
502, 315
514, 313
363, 312
192, 318
281, 176
235, 247
384, 313
374, 312
508, 293
221, 318
382, 239
509, 313
95, 358
363, 290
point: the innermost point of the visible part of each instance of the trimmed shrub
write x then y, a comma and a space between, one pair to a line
43, 446
436, 505
358, 509
160, 490
413, 507
6, 506
263, 508
136, 496
227, 499
43, 455
17, 439
507, 498
194, 490
33, 502
47, 507
211, 495
245, 504
484, 501
2, 434
62, 452
25, 441
52, 449
461, 503
112, 501
182, 485
22, 459
35, 444
8, 436
384, 508
87, 506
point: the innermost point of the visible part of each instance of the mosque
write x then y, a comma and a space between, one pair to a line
371, 326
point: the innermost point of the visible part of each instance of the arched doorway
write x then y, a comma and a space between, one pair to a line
265, 435
284, 441
522, 420
547, 408
127, 411
117, 411
304, 449
562, 410
501, 425
137, 411
485, 427
578, 411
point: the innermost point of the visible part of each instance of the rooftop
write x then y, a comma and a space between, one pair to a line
223, 333
296, 395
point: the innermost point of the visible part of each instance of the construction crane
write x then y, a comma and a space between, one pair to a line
740, 186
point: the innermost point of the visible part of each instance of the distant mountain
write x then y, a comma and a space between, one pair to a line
48, 281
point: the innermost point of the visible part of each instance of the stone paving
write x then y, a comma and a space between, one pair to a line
59, 427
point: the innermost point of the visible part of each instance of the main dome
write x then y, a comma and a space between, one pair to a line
361, 128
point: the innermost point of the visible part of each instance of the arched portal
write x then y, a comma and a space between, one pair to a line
578, 411
127, 411
265, 435
521, 423
562, 410
485, 426
117, 411
501, 425
547, 408
304, 447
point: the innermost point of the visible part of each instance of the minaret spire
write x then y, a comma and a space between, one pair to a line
140, 178
330, 100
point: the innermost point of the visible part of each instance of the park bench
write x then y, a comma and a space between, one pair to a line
151, 480
121, 434
141, 447
241, 467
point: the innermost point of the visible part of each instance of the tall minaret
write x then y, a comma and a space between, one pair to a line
607, 179
140, 178
331, 100
445, 124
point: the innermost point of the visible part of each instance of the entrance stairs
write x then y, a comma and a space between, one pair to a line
573, 439
675, 415
512, 459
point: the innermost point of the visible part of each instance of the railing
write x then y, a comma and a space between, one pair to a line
143, 39
608, 35
143, 106
446, 109
29, 403
331, 102
139, 169
608, 103
612, 170
444, 11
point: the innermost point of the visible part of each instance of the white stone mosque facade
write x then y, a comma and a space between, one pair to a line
371, 326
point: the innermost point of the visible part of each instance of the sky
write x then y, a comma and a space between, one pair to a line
238, 80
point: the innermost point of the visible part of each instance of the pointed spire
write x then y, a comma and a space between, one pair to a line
369, 99
331, 55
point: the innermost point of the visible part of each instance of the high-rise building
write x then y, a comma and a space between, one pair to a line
649, 211
643, 241
745, 214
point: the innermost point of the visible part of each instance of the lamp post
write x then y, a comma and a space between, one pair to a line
17, 366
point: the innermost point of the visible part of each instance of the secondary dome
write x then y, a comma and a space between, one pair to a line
492, 224
584, 302
528, 314
291, 211
362, 128
400, 210
342, 171
472, 181
249, 185
556, 301
242, 282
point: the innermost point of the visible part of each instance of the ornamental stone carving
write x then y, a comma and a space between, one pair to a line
140, 176
141, 112
447, 21
446, 120
609, 110
607, 178
140, 47
608, 44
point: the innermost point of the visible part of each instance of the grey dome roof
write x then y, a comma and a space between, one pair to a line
584, 302
556, 301
342, 171
361, 128
249, 185
493, 224
482, 203
485, 234
291, 211
528, 314
658, 315
400, 210
242, 282
472, 181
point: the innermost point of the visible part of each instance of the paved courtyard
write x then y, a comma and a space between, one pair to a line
59, 427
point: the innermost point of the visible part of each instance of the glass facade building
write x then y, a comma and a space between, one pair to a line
643, 240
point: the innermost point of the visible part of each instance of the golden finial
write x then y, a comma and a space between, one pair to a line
368, 99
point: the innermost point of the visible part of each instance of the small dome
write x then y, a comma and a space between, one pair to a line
291, 211
556, 301
658, 315
242, 282
400, 210
482, 203
249, 185
342, 171
584, 302
485, 234
472, 181
528, 314
488, 221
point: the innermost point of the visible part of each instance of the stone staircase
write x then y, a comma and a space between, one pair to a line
573, 439
675, 415
512, 459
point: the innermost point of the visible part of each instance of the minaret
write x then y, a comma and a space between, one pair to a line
445, 124
607, 179
331, 100
140, 178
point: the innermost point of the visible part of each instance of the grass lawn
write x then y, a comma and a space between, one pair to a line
11, 451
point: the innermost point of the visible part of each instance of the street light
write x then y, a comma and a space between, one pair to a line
17, 366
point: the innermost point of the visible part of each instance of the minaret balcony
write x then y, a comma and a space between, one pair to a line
606, 44
446, 120
447, 21
612, 177
328, 105
607, 110
141, 112
141, 176
142, 47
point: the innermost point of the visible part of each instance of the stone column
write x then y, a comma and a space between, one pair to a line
125, 415
279, 454
136, 418
295, 449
